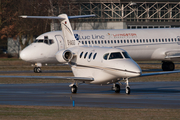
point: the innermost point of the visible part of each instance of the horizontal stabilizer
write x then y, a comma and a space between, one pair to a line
159, 73
57, 17
50, 77
41, 17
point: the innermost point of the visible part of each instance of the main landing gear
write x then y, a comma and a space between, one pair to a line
168, 66
73, 87
116, 87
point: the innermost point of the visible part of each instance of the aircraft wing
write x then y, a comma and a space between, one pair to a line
159, 73
51, 77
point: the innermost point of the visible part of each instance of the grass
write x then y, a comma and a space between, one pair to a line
84, 113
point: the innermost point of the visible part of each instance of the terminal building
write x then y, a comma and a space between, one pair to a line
123, 14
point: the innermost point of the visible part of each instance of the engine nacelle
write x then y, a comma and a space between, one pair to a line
64, 56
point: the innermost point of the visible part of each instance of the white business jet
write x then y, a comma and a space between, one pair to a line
93, 65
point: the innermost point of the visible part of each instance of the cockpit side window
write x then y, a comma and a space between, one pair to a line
51, 41
115, 55
40, 41
106, 56
126, 55
47, 41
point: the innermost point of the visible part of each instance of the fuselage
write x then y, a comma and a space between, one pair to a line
105, 65
141, 44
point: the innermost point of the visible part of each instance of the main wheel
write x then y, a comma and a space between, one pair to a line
74, 89
168, 66
128, 90
117, 88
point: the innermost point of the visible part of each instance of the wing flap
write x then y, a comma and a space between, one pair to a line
51, 77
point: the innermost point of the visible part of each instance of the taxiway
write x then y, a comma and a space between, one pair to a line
143, 95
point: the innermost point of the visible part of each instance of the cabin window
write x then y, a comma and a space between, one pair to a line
94, 56
108, 41
156, 40
140, 41
126, 55
121, 41
98, 42
118, 41
115, 55
102, 41
165, 40
85, 55
90, 55
149, 40
178, 39
124, 41
152, 40
131, 41
82, 42
127, 41
106, 56
162, 40
159, 40
85, 42
134, 41
89, 42
105, 41
114, 41
81, 54
143, 40
172, 39
137, 40
95, 42
92, 42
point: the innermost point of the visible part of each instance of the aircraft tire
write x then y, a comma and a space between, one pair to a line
117, 88
38, 70
128, 90
35, 69
168, 66
74, 89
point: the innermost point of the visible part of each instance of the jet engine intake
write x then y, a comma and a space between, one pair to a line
64, 56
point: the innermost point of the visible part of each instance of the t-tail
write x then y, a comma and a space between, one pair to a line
68, 34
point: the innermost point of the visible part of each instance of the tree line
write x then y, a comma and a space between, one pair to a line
11, 25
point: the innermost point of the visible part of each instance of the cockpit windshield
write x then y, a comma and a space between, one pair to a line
126, 55
116, 55
49, 41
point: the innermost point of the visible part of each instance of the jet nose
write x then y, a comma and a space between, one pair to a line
23, 55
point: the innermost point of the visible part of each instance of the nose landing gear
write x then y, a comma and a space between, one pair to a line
116, 87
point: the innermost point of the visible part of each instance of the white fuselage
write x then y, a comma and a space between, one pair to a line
141, 44
91, 62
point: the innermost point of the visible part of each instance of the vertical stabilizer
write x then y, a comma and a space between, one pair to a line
68, 34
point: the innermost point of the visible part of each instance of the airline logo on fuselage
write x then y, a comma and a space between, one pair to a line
122, 35
88, 37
